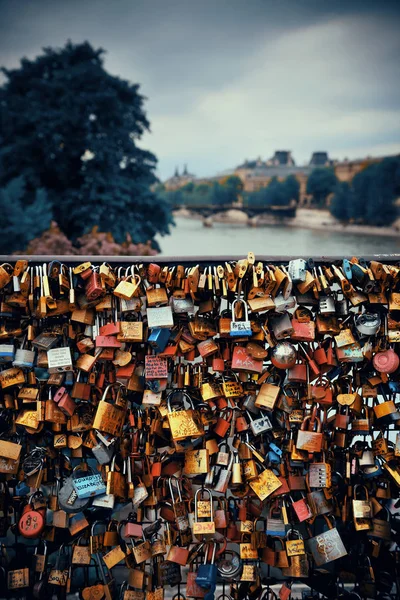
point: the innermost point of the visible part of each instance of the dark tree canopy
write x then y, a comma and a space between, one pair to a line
370, 198
342, 201
320, 184
276, 193
213, 192
70, 128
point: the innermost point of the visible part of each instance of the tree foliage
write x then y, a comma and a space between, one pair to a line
72, 129
215, 193
370, 198
276, 193
19, 209
341, 201
320, 184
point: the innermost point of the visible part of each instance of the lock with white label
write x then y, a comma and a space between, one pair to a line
240, 328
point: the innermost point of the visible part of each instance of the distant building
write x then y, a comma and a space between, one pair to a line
281, 158
177, 181
257, 173
346, 169
320, 159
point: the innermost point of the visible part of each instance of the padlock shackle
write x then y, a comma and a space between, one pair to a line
174, 393
201, 491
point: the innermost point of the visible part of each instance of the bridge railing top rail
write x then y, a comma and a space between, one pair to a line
186, 260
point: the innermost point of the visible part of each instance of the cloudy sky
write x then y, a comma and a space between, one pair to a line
233, 79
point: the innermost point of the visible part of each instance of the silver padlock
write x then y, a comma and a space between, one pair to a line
367, 458
368, 323
281, 325
327, 305
249, 403
60, 360
102, 453
24, 357
342, 307
240, 328
297, 270
282, 304
261, 424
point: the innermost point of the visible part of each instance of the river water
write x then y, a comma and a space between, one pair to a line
190, 238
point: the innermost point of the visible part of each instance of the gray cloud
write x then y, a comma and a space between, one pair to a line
228, 79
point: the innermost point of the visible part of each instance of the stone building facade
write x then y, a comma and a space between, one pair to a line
257, 173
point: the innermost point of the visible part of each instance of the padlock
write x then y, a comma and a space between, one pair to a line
206, 527
240, 328
32, 521
297, 270
207, 572
94, 287
283, 355
224, 475
259, 425
183, 423
87, 486
158, 339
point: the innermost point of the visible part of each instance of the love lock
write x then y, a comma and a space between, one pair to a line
32, 521
207, 573
230, 565
240, 328
68, 498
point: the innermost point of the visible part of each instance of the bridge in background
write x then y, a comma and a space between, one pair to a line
207, 210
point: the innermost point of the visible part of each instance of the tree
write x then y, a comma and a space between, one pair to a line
375, 191
342, 201
320, 184
384, 189
234, 184
293, 187
21, 221
276, 193
72, 129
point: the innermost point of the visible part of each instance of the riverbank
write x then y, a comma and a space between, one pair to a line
305, 218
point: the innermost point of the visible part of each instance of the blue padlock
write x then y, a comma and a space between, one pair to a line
273, 457
207, 573
347, 269
6, 353
275, 449
22, 489
41, 373
158, 338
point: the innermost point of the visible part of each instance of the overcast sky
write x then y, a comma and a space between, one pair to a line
233, 79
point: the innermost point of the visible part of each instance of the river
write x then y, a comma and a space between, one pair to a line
190, 238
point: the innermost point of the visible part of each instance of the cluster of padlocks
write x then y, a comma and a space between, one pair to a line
200, 431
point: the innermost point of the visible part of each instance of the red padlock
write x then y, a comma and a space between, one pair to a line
320, 356
218, 364
153, 273
94, 287
241, 423
386, 362
156, 466
132, 528
64, 401
222, 425
32, 521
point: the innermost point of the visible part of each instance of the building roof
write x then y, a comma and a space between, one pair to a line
282, 157
279, 171
320, 159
